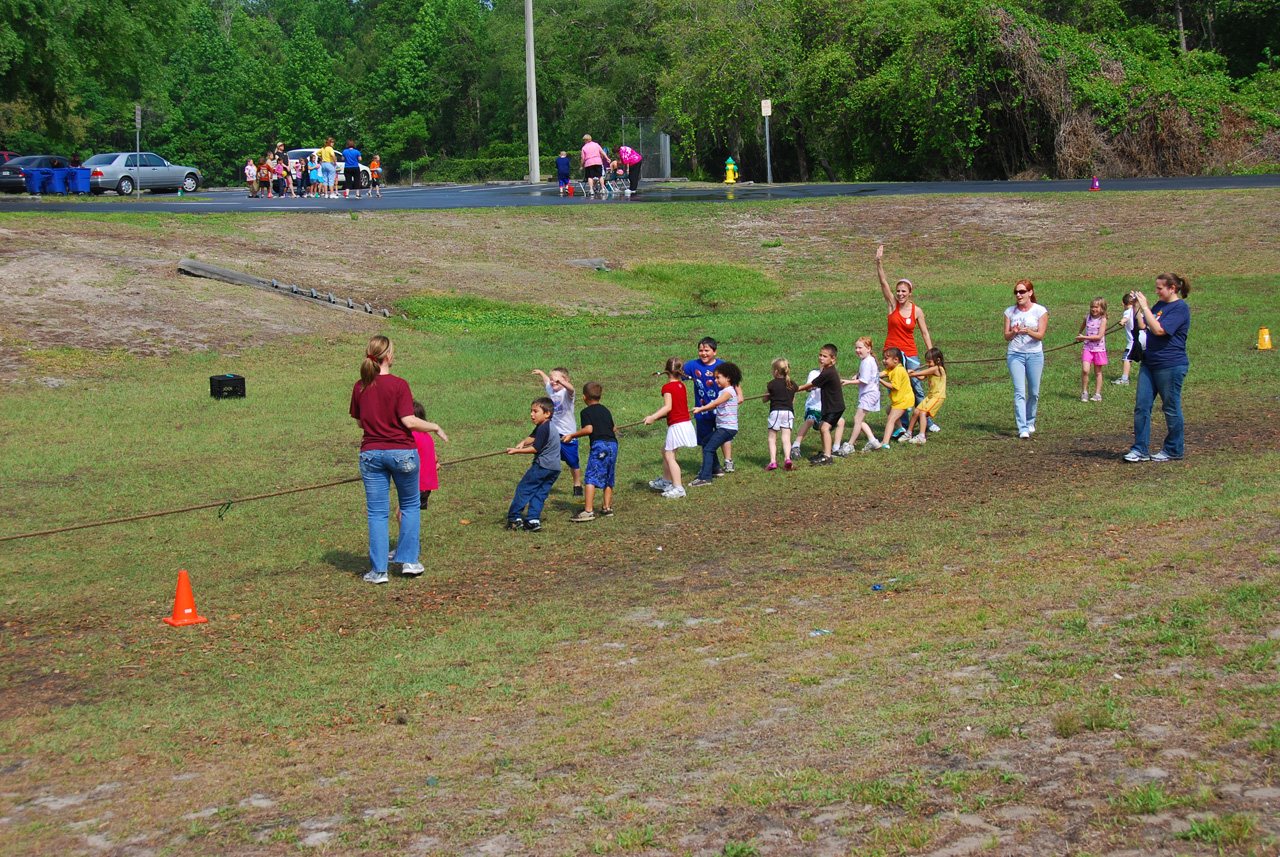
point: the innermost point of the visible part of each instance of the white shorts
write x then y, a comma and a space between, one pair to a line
779, 420
681, 434
869, 402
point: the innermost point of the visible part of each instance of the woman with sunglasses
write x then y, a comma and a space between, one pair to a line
1025, 324
1163, 368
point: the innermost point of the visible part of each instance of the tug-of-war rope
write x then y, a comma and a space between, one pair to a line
224, 505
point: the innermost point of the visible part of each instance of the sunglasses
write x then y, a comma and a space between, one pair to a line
1021, 291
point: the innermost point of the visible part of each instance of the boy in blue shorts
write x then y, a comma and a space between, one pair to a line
562, 171
535, 486
703, 374
602, 461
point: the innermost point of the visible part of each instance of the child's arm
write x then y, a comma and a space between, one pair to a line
923, 372
582, 432
1080, 337
660, 412
1102, 331
546, 379
718, 400
737, 391
884, 381
527, 442
564, 382
520, 448
803, 387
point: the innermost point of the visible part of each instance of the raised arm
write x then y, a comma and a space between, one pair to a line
1153, 323
884, 281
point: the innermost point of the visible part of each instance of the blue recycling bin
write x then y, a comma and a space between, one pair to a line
34, 180
57, 182
78, 180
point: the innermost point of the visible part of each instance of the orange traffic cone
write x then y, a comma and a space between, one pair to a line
1095, 185
184, 604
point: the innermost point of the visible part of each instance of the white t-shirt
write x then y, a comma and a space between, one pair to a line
1024, 343
562, 421
1129, 320
869, 385
814, 402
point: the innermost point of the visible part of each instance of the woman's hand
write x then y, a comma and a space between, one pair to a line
440, 434
880, 253
1141, 299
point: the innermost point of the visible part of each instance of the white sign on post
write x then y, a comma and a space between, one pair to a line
766, 107
137, 117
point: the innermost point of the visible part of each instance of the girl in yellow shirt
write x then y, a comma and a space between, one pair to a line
936, 372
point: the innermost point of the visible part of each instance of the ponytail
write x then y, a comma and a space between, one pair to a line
1180, 284
374, 354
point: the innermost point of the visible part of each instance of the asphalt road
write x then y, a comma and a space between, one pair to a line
495, 196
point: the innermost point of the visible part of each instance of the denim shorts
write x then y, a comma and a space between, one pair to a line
602, 461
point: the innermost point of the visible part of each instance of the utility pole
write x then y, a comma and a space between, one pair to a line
137, 152
531, 92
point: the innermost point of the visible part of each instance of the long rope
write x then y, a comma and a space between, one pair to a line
225, 505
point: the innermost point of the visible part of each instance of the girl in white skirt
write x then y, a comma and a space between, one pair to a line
782, 412
680, 433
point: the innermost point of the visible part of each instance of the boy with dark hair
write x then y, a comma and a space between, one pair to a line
703, 374
535, 485
602, 460
832, 387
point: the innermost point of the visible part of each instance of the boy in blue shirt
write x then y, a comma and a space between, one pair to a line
703, 374
535, 485
562, 171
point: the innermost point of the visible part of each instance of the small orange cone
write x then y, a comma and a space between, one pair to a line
1095, 185
184, 604
1264, 339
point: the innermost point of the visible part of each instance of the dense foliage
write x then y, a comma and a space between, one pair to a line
886, 89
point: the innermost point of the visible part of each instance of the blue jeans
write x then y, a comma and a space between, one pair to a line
378, 469
911, 364
715, 440
532, 491
1167, 384
704, 427
1025, 370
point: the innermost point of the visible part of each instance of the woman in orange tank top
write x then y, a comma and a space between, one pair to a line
904, 318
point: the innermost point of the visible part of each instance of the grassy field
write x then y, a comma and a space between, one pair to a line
976, 646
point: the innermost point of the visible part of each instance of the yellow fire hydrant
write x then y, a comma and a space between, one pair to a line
730, 172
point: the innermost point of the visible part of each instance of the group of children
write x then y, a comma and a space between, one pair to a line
712, 423
274, 176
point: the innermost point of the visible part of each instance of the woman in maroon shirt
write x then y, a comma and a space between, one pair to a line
383, 405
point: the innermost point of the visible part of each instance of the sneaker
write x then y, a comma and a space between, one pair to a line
532, 525
583, 516
772, 465
897, 433
1163, 456
698, 483
515, 524
660, 484
1031, 429
391, 557
840, 451
1096, 397
920, 438
720, 471
606, 512
1121, 382
1024, 435
788, 465
934, 427
846, 447
1133, 456
795, 450
813, 459
728, 465
821, 460
1084, 397
902, 438
376, 577
412, 569
577, 490
885, 447
675, 492
871, 444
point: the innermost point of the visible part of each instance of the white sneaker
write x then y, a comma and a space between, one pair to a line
920, 438
728, 465
846, 447
903, 438
871, 444
795, 450
674, 492
1026, 435
934, 427
1121, 382
1133, 456
375, 577
1096, 397
391, 557
412, 569
1031, 429
1084, 397
660, 484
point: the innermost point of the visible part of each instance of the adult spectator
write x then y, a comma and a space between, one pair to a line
631, 160
328, 169
1025, 324
282, 159
1164, 367
383, 405
593, 165
351, 169
904, 318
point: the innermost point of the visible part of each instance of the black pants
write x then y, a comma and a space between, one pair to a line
633, 173
352, 177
